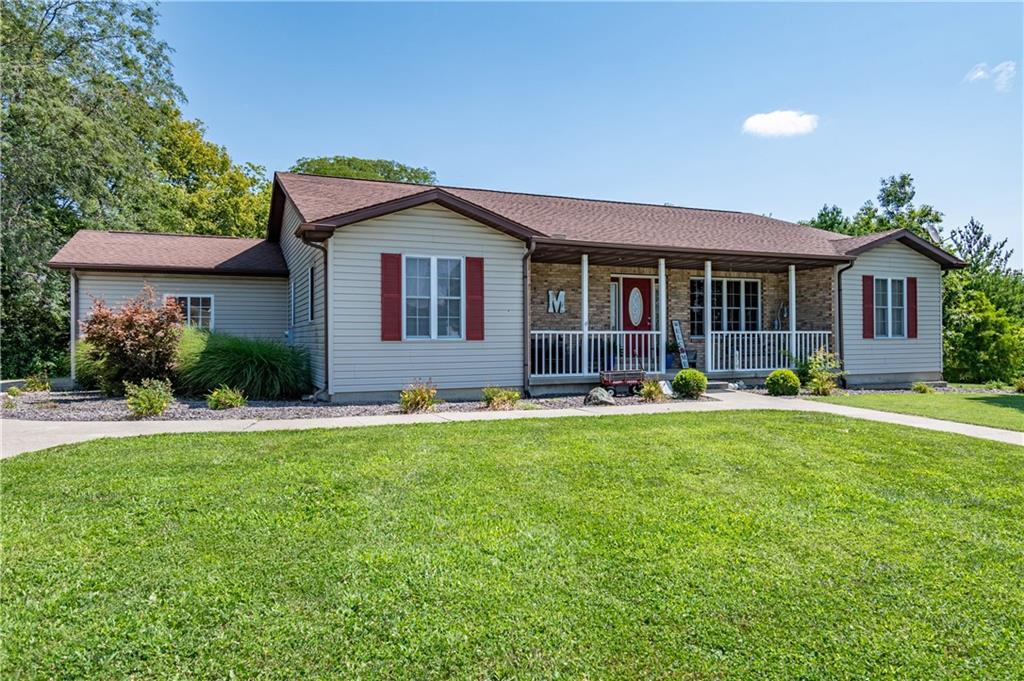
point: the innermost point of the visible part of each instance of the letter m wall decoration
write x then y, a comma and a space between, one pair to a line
556, 301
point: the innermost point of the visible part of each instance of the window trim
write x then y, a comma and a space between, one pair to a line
725, 303
433, 299
310, 290
888, 307
213, 305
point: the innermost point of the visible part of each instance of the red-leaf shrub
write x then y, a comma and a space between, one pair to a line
134, 342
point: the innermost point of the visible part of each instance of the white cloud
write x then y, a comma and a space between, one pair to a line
1002, 75
780, 124
979, 72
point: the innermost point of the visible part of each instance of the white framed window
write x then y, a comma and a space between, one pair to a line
433, 297
735, 305
311, 289
197, 310
890, 308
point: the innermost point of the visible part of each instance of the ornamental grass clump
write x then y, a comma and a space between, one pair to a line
500, 398
650, 391
225, 397
690, 383
261, 369
417, 397
782, 382
89, 368
150, 397
135, 342
1018, 385
922, 387
37, 383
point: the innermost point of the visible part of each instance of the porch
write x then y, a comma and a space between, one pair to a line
588, 317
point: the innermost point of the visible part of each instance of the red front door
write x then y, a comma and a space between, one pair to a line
637, 297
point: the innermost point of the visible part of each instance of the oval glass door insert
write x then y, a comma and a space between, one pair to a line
636, 306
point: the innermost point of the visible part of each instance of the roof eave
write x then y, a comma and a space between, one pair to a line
165, 269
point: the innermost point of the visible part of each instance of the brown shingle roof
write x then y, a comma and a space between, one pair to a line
156, 252
319, 198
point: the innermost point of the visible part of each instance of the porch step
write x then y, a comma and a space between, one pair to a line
717, 386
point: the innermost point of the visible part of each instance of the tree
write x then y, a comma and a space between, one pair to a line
988, 269
895, 210
84, 100
364, 169
980, 342
202, 191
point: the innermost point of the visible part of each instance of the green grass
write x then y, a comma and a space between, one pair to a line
983, 409
718, 545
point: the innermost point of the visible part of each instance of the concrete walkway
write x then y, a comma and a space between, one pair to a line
25, 436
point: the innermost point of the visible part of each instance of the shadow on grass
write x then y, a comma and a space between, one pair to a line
1015, 402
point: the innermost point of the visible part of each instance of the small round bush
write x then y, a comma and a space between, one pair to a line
1018, 384
14, 391
417, 397
782, 382
225, 397
150, 397
690, 383
500, 398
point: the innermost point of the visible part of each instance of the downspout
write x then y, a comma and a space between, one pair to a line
327, 364
530, 245
839, 315
74, 321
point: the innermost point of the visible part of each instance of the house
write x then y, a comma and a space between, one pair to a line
387, 283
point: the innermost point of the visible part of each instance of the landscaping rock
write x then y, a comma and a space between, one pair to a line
598, 397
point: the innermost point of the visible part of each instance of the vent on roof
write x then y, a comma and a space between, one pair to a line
557, 236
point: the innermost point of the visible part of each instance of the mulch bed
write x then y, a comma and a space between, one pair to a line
95, 406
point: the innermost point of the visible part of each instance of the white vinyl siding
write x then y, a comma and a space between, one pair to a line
307, 329
256, 307
361, 362
881, 355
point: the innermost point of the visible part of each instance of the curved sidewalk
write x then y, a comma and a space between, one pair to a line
26, 436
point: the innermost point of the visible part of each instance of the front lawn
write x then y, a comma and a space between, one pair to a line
998, 410
713, 545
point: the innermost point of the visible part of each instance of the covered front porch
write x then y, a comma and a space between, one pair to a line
605, 310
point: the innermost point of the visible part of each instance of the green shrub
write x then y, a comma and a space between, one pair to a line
823, 371
980, 342
500, 398
418, 397
9, 403
922, 387
1018, 384
14, 391
650, 391
37, 383
689, 383
134, 342
225, 398
151, 397
263, 370
782, 382
89, 369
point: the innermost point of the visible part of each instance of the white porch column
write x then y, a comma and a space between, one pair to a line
662, 315
792, 313
707, 316
585, 311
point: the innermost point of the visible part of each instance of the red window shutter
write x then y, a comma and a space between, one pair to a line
474, 299
390, 297
911, 307
868, 312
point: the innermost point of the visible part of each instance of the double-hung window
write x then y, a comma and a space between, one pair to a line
434, 295
735, 305
197, 311
890, 308
311, 291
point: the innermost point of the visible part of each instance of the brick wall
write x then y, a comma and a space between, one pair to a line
814, 297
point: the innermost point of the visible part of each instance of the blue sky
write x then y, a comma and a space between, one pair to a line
629, 102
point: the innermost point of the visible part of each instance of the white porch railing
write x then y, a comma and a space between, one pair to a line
762, 350
564, 353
